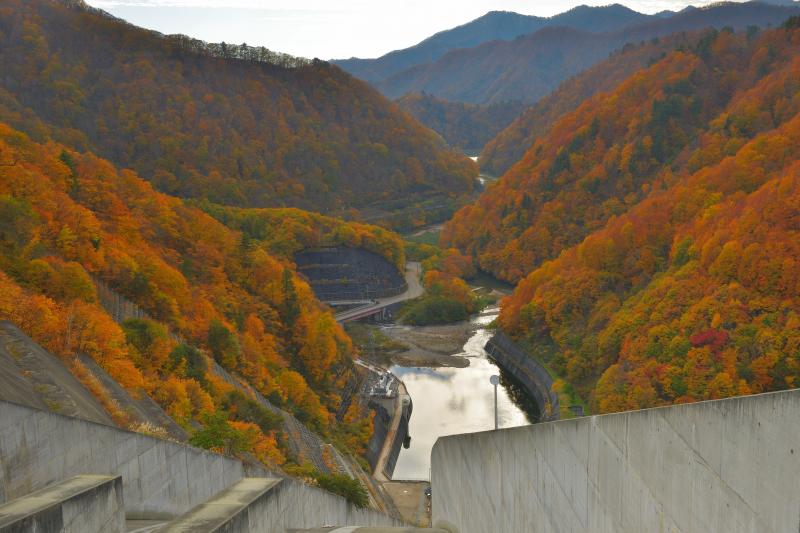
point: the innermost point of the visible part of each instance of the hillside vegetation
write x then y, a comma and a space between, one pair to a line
509, 145
655, 229
68, 218
232, 124
464, 126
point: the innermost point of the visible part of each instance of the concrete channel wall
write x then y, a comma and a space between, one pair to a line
161, 479
532, 375
728, 466
82, 504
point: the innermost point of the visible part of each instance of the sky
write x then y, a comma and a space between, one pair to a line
333, 29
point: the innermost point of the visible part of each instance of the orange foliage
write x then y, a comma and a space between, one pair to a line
235, 124
81, 217
687, 286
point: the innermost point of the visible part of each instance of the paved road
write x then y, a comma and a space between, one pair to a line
414, 290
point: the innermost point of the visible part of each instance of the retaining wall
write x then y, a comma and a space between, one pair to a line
527, 371
341, 273
82, 504
724, 466
161, 479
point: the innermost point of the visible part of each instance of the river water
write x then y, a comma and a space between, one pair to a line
448, 401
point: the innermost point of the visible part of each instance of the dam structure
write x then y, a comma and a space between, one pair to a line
729, 465
357, 283
59, 473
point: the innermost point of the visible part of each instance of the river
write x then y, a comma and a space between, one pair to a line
457, 400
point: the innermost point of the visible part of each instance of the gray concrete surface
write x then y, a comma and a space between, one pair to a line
81, 504
237, 509
32, 376
161, 479
728, 466
414, 290
295, 505
411, 501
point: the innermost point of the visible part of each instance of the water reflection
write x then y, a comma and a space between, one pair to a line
457, 400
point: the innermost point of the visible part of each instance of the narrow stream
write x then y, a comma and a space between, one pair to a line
448, 401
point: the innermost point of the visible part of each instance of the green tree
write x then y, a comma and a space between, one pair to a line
218, 434
291, 307
223, 344
195, 365
345, 486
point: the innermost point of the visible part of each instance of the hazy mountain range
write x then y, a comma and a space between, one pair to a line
495, 25
507, 56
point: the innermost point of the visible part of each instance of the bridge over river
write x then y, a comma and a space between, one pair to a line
379, 305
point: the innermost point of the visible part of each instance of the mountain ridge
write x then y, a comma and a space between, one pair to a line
200, 120
494, 25
528, 67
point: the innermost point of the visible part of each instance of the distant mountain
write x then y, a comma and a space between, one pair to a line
464, 126
233, 124
531, 66
495, 25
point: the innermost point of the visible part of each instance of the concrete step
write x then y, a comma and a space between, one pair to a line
238, 508
144, 526
81, 504
440, 528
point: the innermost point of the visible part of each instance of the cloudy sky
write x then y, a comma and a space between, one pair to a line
331, 29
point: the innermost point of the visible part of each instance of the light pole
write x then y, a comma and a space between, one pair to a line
495, 380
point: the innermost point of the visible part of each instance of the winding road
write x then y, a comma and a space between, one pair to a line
414, 290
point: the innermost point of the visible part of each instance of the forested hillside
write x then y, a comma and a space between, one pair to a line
67, 218
464, 126
231, 124
508, 146
529, 67
495, 25
655, 229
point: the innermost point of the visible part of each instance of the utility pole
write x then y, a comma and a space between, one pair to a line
495, 380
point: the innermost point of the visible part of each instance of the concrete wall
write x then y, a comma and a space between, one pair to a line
525, 369
82, 504
295, 505
724, 466
161, 479
382, 422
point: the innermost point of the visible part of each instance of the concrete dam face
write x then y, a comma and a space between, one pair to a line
339, 274
728, 466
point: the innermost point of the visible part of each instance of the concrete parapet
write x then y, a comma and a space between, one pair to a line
238, 509
729, 465
81, 504
161, 479
291, 504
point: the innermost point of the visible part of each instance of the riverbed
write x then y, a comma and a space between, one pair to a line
450, 400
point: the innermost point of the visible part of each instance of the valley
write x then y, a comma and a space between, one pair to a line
299, 293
